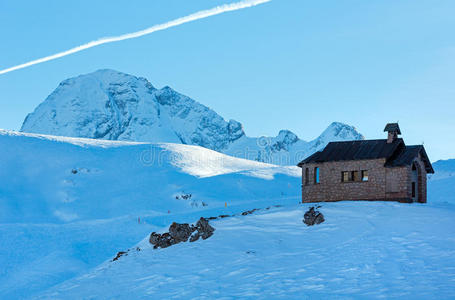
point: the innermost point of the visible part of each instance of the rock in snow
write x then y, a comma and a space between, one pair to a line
313, 216
111, 105
179, 233
204, 230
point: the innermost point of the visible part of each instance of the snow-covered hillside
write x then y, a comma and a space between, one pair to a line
111, 105
58, 179
68, 204
364, 250
441, 184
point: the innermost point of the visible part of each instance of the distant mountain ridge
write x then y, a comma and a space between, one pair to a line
443, 169
111, 105
441, 184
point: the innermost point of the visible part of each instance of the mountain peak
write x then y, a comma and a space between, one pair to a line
111, 105
287, 137
106, 75
104, 78
108, 104
342, 131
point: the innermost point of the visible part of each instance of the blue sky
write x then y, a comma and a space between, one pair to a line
287, 64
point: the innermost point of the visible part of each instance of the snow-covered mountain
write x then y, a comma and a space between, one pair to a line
112, 105
286, 148
115, 106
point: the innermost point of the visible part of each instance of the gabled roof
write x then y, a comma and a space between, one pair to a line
407, 156
355, 150
395, 153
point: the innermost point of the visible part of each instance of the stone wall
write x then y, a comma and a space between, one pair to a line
422, 183
384, 184
398, 183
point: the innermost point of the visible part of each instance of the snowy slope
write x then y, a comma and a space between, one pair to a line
364, 250
441, 184
68, 204
110, 105
443, 169
47, 178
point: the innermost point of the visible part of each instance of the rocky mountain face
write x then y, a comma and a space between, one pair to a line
111, 105
115, 106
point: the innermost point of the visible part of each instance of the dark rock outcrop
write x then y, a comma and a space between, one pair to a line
204, 230
248, 212
313, 216
161, 240
119, 254
124, 253
181, 233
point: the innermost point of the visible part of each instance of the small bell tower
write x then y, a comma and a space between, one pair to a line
393, 131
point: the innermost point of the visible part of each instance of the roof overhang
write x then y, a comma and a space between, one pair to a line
426, 161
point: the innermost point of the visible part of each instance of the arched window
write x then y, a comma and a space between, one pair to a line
316, 175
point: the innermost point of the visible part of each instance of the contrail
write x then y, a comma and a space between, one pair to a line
193, 17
